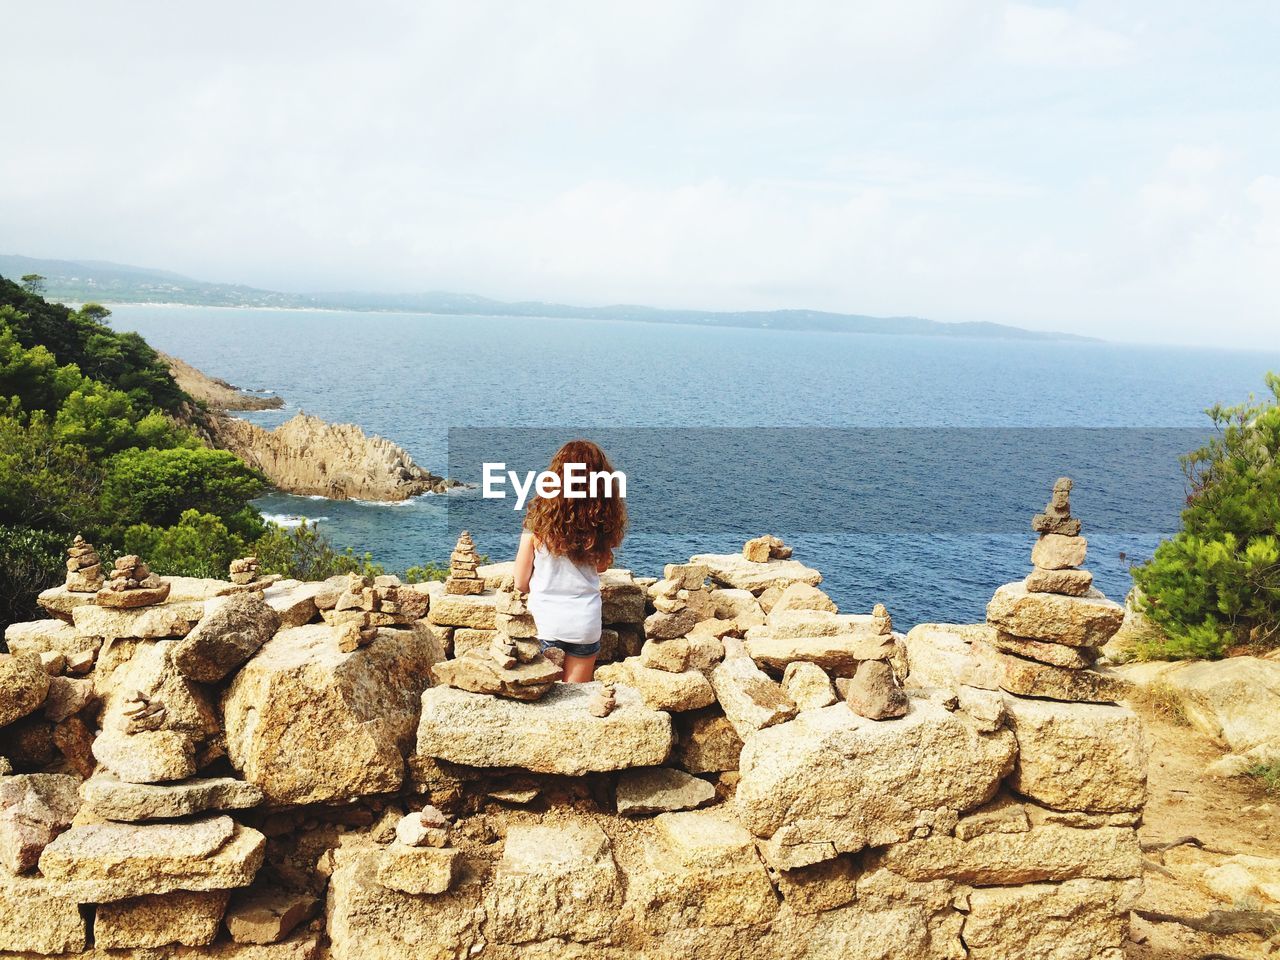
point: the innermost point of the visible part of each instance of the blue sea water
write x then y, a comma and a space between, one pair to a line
917, 471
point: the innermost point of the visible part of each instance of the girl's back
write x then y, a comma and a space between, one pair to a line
564, 598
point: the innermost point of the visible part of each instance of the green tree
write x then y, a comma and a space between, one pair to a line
45, 484
306, 554
198, 545
1216, 583
30, 561
34, 283
158, 486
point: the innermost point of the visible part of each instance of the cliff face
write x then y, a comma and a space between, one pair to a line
310, 456
216, 393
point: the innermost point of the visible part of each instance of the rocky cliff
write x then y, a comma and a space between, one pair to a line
310, 456
214, 392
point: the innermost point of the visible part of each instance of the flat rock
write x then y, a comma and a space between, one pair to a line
831, 782
554, 880
152, 756
1048, 853
114, 861
707, 743
661, 689
1073, 583
132, 598
803, 596
34, 808
808, 685
1055, 654
39, 916
1088, 621
419, 870
735, 570
477, 671
459, 610
293, 601
48, 636
1054, 551
191, 918
163, 621
230, 632
1078, 756
661, 790
310, 724
1080, 919
23, 685
205, 588
109, 798
838, 653
556, 734
267, 915
622, 599
61, 602
749, 698
1031, 678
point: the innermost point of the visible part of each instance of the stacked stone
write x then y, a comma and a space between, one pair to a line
874, 691
463, 579
420, 861
84, 567
766, 548
367, 603
1043, 642
244, 570
132, 584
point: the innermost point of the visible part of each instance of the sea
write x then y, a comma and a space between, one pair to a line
905, 468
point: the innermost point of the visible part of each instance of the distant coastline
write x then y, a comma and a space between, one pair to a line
110, 283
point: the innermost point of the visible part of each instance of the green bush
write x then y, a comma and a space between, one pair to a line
306, 554
30, 561
198, 545
1216, 584
43, 483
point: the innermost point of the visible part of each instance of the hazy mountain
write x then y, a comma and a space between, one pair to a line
80, 280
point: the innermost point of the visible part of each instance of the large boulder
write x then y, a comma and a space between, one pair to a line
23, 685
231, 631
661, 689
161, 621
309, 724
831, 782
1078, 756
34, 808
554, 880
557, 734
1088, 621
105, 862
1082, 919
938, 653
39, 916
48, 636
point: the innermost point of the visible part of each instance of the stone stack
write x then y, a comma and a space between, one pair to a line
420, 860
84, 567
681, 600
1046, 631
463, 579
382, 601
766, 548
132, 584
244, 570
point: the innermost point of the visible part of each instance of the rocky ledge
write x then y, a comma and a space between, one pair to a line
310, 456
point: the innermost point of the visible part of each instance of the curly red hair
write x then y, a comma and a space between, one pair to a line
585, 530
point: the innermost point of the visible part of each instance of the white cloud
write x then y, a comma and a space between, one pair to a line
1057, 37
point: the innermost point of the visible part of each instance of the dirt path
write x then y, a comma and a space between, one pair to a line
1235, 816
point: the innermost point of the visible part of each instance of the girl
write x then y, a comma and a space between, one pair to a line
566, 544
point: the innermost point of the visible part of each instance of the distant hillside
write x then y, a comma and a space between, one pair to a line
81, 280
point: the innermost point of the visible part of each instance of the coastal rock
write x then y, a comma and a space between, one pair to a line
990, 668
874, 692
838, 653
476, 611
1053, 551
803, 596
1055, 654
698, 651
215, 392
808, 685
1078, 756
661, 790
39, 916
310, 457
48, 636
554, 880
1080, 919
740, 606
310, 724
1088, 621
661, 689
152, 756
748, 697
735, 570
114, 861
556, 734
478, 672
832, 782
191, 918
622, 599
294, 602
231, 631
937, 654
23, 685
162, 621
707, 743
1073, 583
34, 808
109, 798
61, 603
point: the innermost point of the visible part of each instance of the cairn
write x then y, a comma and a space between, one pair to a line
143, 713
132, 584
84, 567
603, 701
1060, 551
244, 570
463, 579
766, 548
383, 601
356, 633
1047, 629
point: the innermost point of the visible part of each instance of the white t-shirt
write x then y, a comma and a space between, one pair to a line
564, 598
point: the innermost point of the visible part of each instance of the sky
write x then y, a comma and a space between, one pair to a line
1105, 168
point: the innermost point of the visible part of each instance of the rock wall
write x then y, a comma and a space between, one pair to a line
268, 770
309, 456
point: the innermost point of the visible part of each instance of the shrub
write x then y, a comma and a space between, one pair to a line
159, 486
198, 545
30, 561
306, 554
1216, 583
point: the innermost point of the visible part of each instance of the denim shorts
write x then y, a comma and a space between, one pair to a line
571, 649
